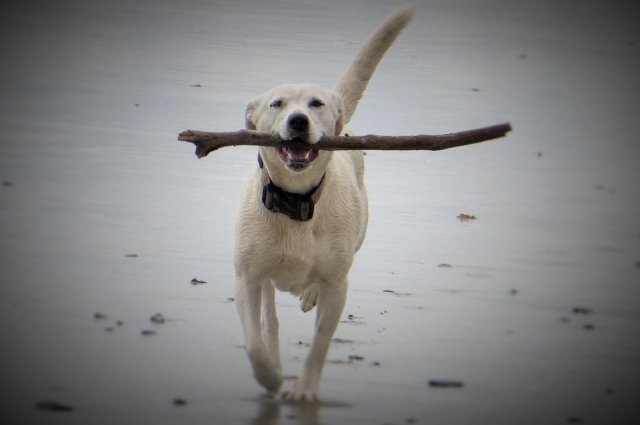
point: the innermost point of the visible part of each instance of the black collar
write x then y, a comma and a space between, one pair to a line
296, 206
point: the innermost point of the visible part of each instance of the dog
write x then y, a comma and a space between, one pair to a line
303, 214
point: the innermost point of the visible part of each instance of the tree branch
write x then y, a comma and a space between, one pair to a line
207, 142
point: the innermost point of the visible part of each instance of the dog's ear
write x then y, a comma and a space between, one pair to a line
337, 103
249, 114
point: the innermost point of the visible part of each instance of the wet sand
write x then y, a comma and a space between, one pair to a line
532, 310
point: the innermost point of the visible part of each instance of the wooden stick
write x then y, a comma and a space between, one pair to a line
207, 142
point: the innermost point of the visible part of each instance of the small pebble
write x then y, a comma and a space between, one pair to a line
589, 327
148, 332
54, 406
231, 299
355, 357
575, 420
582, 310
179, 402
445, 383
131, 255
7, 183
99, 316
196, 281
157, 318
445, 266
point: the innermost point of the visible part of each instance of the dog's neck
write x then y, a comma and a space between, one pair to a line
296, 206
294, 181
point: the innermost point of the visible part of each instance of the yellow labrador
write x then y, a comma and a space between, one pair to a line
303, 214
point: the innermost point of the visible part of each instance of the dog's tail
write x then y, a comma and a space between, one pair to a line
354, 80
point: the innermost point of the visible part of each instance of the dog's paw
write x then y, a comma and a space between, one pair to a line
304, 391
309, 298
296, 396
267, 372
270, 379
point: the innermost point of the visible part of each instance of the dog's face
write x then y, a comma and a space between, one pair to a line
303, 112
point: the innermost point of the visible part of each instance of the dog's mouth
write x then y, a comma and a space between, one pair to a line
297, 157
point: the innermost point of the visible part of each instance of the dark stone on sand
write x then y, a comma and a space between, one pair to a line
196, 281
445, 383
179, 402
54, 406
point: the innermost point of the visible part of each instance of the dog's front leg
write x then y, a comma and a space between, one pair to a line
266, 369
331, 301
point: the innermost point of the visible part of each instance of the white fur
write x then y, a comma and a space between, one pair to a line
308, 259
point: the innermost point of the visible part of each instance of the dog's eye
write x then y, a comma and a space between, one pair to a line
276, 104
316, 103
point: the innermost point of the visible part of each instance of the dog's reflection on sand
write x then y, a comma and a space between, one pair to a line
272, 411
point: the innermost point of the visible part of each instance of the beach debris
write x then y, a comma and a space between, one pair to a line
157, 318
196, 85
396, 293
466, 217
445, 266
582, 310
179, 402
131, 255
196, 281
445, 383
342, 341
99, 316
355, 357
148, 332
54, 406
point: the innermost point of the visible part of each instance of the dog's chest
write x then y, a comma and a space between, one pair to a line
298, 260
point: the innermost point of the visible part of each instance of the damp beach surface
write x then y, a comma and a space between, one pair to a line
499, 283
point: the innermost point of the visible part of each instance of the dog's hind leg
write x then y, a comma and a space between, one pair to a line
266, 368
331, 301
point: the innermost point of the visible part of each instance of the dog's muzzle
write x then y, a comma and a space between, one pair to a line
299, 154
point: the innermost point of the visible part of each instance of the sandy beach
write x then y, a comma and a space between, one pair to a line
527, 314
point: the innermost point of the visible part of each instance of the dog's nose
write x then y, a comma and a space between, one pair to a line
298, 123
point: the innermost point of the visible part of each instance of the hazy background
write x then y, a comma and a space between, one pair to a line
102, 211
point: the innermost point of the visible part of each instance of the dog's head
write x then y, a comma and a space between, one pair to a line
302, 112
